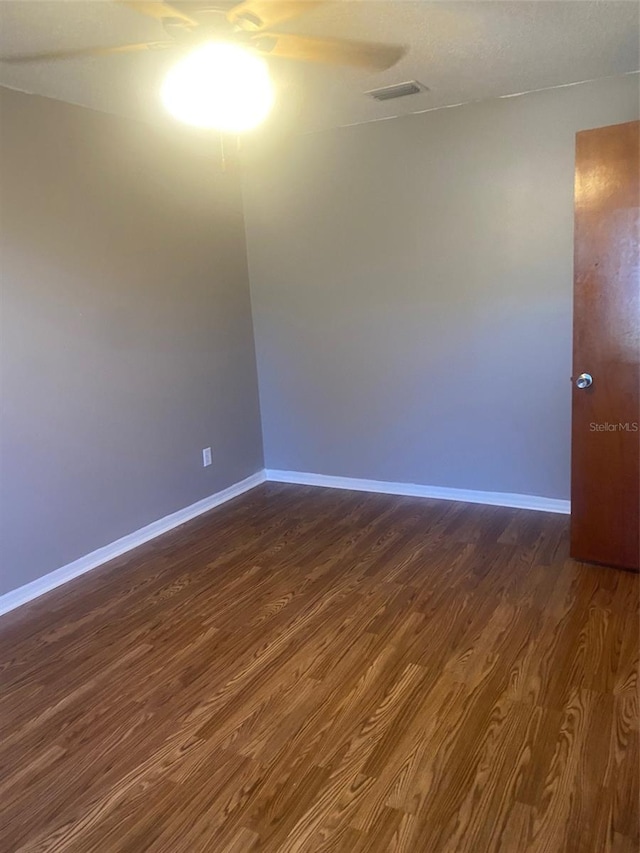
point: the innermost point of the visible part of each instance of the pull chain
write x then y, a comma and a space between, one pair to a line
229, 152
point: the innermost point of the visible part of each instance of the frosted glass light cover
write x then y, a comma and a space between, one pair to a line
221, 86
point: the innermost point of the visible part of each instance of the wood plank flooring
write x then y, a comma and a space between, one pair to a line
315, 670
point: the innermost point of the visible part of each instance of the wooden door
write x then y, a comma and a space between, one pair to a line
605, 466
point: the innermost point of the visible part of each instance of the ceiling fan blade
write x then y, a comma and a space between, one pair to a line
255, 15
163, 12
360, 54
89, 51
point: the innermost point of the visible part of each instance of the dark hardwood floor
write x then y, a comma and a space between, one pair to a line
314, 670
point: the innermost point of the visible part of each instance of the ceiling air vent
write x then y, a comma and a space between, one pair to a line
399, 90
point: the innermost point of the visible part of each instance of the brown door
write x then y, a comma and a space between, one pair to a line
605, 469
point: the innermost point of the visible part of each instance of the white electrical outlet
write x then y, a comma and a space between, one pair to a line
206, 457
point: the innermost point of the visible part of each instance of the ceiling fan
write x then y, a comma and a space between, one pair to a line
247, 25
222, 82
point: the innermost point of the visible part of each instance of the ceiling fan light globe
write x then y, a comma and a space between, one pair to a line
221, 86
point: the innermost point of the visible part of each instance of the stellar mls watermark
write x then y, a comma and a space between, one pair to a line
618, 427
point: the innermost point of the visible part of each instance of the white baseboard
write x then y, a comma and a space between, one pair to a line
440, 492
50, 581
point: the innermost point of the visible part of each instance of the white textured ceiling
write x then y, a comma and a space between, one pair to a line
462, 50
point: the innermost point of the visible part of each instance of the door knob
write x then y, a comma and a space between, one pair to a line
584, 380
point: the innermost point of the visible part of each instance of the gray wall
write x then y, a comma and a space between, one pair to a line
411, 287
127, 342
